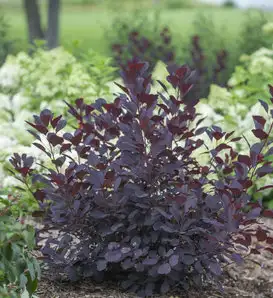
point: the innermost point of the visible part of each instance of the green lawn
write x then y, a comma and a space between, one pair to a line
88, 23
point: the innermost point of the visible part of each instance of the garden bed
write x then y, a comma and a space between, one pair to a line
249, 280
253, 279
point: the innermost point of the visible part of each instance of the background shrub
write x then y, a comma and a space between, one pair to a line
229, 4
212, 64
178, 4
235, 106
251, 38
206, 73
214, 44
140, 48
139, 35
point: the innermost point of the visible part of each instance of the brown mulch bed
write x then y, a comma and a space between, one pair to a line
253, 279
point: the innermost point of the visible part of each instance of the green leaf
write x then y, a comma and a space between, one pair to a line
29, 237
23, 280
31, 284
8, 251
25, 294
37, 268
31, 270
270, 205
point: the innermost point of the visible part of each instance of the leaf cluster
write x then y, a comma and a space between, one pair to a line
129, 197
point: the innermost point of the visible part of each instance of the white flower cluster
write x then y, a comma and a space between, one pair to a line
268, 28
47, 76
250, 80
233, 108
10, 76
29, 84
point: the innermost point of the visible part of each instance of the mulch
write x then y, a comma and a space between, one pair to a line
252, 279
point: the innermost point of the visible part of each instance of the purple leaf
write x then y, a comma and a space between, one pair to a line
237, 258
150, 261
113, 256
165, 287
215, 268
173, 261
60, 125
264, 170
260, 134
259, 122
164, 269
101, 265
149, 289
244, 159
54, 121
36, 136
264, 105
42, 148
125, 250
54, 139
46, 116
97, 214
188, 259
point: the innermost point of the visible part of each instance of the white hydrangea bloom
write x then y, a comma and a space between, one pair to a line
240, 93
261, 64
207, 111
29, 84
10, 76
268, 28
19, 101
262, 52
6, 142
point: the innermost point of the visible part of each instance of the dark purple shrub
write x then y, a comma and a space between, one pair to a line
206, 72
139, 47
134, 203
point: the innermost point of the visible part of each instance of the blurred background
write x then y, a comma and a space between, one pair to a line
96, 23
57, 51
197, 32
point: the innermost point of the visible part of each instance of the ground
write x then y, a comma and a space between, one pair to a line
253, 279
248, 281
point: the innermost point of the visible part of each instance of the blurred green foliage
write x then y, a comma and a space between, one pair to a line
229, 4
19, 270
250, 38
6, 43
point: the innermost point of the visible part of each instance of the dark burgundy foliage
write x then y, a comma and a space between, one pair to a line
134, 203
207, 74
138, 47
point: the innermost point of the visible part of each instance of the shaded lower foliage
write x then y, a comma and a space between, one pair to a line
133, 201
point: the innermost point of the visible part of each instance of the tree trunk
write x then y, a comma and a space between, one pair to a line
53, 23
33, 20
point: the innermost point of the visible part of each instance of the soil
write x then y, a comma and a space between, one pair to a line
253, 279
